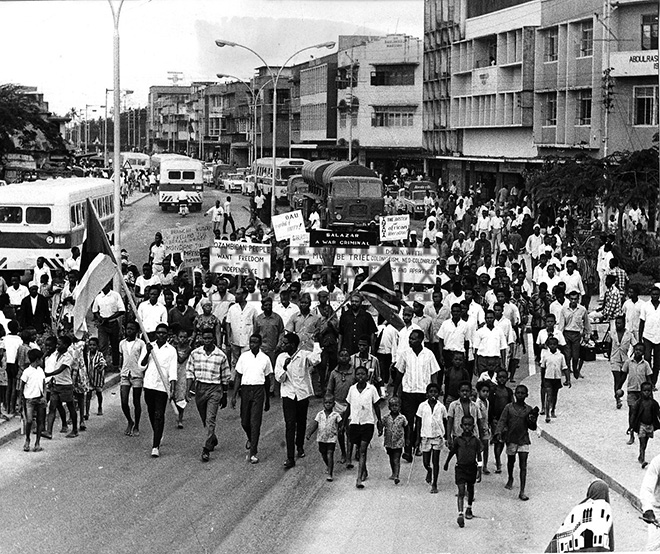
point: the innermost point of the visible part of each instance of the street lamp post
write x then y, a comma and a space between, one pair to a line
275, 78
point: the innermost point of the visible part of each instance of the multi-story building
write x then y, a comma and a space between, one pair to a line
531, 78
167, 119
379, 101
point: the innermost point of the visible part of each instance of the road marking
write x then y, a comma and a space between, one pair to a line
531, 363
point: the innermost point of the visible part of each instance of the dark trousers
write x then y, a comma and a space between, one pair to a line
207, 399
109, 342
385, 361
10, 395
295, 422
650, 350
573, 341
537, 347
410, 401
228, 218
156, 402
252, 411
323, 369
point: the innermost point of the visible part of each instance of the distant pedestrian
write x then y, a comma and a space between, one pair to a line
467, 449
32, 387
228, 217
327, 422
637, 371
645, 420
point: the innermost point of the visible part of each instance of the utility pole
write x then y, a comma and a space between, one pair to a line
350, 109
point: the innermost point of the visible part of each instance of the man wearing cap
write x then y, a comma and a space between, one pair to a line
34, 310
107, 308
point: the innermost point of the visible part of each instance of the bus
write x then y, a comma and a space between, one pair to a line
176, 172
47, 218
262, 169
135, 160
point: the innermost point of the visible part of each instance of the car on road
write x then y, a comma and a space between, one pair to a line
403, 203
418, 193
233, 182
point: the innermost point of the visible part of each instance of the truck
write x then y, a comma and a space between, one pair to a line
348, 194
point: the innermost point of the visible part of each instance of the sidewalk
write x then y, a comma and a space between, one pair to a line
592, 431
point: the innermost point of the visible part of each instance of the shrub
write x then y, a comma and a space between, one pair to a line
644, 282
651, 268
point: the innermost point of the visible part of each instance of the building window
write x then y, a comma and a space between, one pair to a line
393, 75
650, 32
645, 101
393, 116
550, 45
584, 107
587, 39
342, 120
214, 126
347, 77
551, 110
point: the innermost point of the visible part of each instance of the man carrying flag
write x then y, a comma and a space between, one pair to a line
379, 290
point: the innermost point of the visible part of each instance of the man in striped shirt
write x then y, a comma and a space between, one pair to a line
208, 366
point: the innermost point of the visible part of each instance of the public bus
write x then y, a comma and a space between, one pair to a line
135, 160
262, 169
47, 218
175, 172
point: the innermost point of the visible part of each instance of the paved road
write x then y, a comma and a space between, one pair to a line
103, 493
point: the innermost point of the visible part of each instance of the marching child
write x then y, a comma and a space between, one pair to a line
622, 341
500, 396
513, 427
431, 429
646, 419
395, 427
637, 371
542, 342
467, 449
95, 362
483, 392
553, 365
327, 422
32, 385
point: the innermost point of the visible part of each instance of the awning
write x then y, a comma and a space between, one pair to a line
304, 146
491, 160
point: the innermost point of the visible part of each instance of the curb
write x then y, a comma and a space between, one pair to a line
591, 468
110, 381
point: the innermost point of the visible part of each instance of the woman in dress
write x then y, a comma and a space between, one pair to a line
206, 321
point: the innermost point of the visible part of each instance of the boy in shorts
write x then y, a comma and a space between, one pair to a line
500, 396
431, 429
327, 422
638, 371
483, 392
32, 385
131, 351
646, 419
553, 366
513, 428
395, 427
467, 449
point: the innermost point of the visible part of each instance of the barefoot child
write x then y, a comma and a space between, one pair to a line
131, 351
483, 392
362, 413
341, 379
622, 341
33, 388
395, 426
514, 425
467, 449
637, 371
553, 365
500, 396
327, 422
646, 419
431, 429
95, 362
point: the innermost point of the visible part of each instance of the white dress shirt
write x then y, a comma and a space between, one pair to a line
453, 335
109, 304
489, 342
151, 315
253, 369
241, 321
167, 359
417, 369
286, 313
651, 318
403, 344
296, 380
362, 404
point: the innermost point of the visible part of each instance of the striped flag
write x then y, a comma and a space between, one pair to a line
379, 290
97, 265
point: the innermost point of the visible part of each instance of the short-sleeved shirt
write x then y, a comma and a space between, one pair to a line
109, 304
417, 370
453, 335
456, 411
466, 449
553, 364
132, 352
394, 429
33, 377
328, 426
433, 419
253, 369
362, 404
650, 315
66, 359
638, 373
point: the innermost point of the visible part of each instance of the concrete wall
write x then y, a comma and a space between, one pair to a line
499, 143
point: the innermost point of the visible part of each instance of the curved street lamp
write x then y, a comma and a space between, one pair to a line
275, 78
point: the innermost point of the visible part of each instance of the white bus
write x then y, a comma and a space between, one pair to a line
47, 218
135, 160
262, 169
176, 172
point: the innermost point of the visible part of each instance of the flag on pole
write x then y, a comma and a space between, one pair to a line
97, 266
379, 290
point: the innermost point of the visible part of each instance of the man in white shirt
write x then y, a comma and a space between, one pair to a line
314, 218
572, 278
74, 261
649, 331
453, 337
216, 212
108, 307
239, 327
253, 374
155, 390
16, 293
152, 313
40, 269
293, 371
228, 217
404, 334
418, 367
490, 346
534, 241
632, 309
649, 496
147, 279
284, 308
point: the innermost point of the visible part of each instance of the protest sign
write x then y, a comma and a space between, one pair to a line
240, 258
313, 255
288, 224
343, 238
193, 237
301, 239
394, 227
409, 265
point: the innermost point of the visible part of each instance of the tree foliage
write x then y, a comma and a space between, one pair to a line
23, 125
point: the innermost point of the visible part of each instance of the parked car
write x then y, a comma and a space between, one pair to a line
233, 182
403, 203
